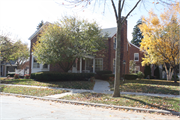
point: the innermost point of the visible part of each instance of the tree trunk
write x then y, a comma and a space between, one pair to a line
175, 74
169, 73
118, 54
117, 74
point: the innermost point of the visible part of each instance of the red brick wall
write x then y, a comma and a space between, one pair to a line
105, 55
133, 50
55, 68
124, 69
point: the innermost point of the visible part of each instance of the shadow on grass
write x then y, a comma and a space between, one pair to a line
14, 81
145, 103
145, 87
70, 84
152, 81
149, 89
157, 102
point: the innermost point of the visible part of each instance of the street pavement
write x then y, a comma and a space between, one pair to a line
15, 108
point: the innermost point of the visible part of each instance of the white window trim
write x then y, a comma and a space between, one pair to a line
134, 56
45, 68
95, 62
33, 64
114, 66
138, 68
114, 39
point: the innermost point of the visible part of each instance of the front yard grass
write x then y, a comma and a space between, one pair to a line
61, 84
149, 86
30, 91
128, 100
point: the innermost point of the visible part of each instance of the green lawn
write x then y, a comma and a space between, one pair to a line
149, 86
128, 100
62, 84
30, 91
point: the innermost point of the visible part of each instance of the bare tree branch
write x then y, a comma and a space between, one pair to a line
115, 12
130, 11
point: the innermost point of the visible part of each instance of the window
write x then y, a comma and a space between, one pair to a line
45, 66
35, 64
114, 65
136, 56
114, 42
98, 64
137, 69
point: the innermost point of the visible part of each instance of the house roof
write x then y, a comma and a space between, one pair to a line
37, 32
136, 46
110, 31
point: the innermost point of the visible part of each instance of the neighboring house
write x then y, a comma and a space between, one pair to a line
25, 65
90, 63
7, 67
136, 55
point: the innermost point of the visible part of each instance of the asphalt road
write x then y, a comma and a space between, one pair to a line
14, 108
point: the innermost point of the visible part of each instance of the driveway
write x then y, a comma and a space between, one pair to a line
14, 108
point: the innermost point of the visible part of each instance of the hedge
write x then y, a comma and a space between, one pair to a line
56, 76
11, 75
106, 76
99, 74
130, 77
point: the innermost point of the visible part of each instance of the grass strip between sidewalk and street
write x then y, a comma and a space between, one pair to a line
40, 92
128, 100
60, 84
148, 86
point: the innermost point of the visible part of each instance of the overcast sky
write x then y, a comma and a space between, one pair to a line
21, 17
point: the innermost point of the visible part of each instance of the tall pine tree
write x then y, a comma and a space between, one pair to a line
40, 25
137, 35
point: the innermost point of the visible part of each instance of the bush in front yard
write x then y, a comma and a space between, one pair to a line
99, 74
57, 76
130, 77
16, 76
26, 76
140, 75
107, 76
10, 75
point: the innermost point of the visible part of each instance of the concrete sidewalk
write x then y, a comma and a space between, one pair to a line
99, 87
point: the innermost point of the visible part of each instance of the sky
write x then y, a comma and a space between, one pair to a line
20, 18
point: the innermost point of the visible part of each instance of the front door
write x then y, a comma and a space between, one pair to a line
74, 68
89, 65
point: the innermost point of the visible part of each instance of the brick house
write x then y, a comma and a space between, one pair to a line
136, 55
91, 63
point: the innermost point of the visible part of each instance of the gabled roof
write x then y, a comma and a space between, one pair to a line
110, 31
37, 32
136, 46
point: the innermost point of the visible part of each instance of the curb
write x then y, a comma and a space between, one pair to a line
93, 104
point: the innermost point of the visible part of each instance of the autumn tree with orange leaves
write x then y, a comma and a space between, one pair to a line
161, 39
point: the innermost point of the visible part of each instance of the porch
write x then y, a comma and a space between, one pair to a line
90, 64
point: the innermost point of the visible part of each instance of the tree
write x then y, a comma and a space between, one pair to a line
147, 71
156, 72
132, 65
137, 35
6, 47
120, 21
66, 40
161, 39
40, 25
21, 53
